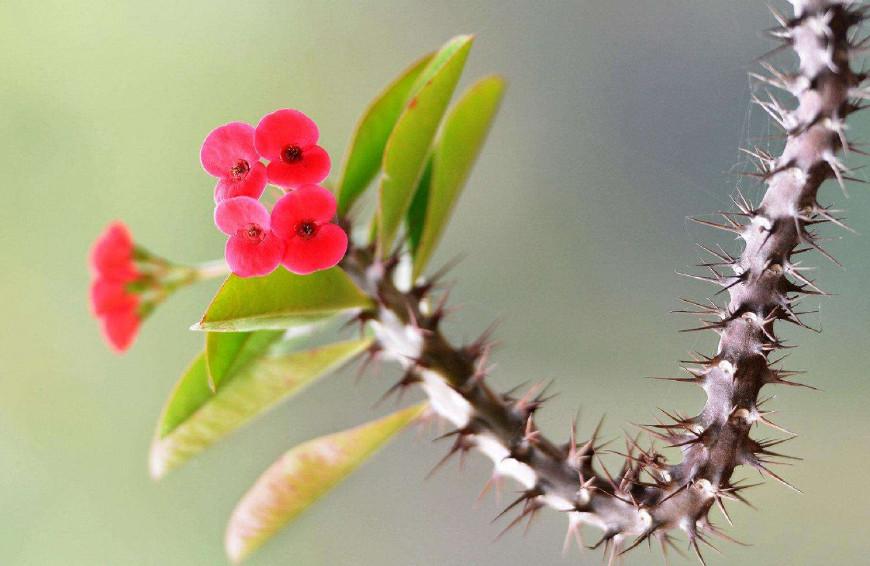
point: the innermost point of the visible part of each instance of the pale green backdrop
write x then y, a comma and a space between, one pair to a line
622, 118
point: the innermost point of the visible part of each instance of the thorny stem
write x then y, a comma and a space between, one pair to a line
763, 289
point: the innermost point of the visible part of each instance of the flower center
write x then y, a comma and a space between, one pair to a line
291, 154
240, 169
306, 229
253, 232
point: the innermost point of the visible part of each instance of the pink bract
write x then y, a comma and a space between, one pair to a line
252, 249
288, 139
325, 250
112, 254
120, 328
108, 296
228, 153
113, 267
302, 219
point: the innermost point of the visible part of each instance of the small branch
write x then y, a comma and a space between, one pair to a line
210, 270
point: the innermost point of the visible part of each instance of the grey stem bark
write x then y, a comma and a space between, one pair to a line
649, 496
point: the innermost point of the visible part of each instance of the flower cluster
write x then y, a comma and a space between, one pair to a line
128, 282
298, 233
114, 270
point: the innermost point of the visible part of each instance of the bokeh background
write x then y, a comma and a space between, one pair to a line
622, 119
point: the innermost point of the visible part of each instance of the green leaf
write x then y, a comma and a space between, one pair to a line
280, 300
190, 393
411, 140
302, 476
366, 149
417, 210
227, 352
195, 418
461, 139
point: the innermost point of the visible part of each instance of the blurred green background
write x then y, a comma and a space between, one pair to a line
622, 119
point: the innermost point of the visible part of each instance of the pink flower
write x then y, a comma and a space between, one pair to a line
113, 268
108, 296
112, 254
288, 138
120, 328
252, 249
228, 153
302, 219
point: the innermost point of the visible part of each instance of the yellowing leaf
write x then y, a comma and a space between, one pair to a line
302, 476
194, 418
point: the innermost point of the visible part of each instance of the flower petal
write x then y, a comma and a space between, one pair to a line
312, 168
112, 254
234, 214
108, 296
225, 146
251, 185
308, 203
323, 251
282, 128
247, 258
120, 328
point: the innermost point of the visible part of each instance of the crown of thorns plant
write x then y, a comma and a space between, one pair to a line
293, 269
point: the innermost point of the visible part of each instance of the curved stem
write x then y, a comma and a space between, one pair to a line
650, 497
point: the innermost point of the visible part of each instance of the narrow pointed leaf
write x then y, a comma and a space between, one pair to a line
417, 210
411, 140
228, 352
366, 151
195, 418
302, 476
190, 393
280, 300
459, 144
